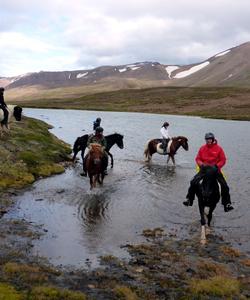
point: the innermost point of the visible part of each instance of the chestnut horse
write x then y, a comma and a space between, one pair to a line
154, 146
80, 144
94, 164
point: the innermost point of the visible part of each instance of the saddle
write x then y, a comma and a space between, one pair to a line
168, 146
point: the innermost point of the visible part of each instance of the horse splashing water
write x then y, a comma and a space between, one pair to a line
81, 143
15, 111
94, 164
208, 194
154, 146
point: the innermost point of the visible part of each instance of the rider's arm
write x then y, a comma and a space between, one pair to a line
104, 143
198, 158
221, 159
89, 140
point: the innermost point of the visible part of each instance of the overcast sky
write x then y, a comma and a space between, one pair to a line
55, 35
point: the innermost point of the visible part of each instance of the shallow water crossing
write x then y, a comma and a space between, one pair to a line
80, 225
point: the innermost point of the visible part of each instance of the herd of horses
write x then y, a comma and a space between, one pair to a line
207, 191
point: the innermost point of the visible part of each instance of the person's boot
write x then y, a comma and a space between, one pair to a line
228, 207
84, 174
188, 202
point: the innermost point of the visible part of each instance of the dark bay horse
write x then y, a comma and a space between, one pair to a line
208, 194
94, 164
154, 146
112, 139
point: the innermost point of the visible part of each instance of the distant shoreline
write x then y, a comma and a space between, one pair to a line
208, 102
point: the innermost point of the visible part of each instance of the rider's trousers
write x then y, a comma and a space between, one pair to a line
225, 195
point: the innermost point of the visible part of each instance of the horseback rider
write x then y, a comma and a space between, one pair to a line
165, 135
3, 106
210, 154
97, 123
98, 138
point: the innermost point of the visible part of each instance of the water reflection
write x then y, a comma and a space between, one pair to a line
93, 209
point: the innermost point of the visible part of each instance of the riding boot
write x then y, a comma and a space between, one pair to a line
225, 195
105, 163
84, 173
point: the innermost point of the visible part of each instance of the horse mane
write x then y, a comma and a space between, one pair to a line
179, 137
95, 148
116, 133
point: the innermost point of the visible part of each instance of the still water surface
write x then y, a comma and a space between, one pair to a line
82, 225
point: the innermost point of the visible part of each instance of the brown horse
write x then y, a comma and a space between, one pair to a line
154, 146
94, 164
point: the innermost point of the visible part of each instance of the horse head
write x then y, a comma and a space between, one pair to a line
183, 142
17, 112
96, 153
119, 140
209, 183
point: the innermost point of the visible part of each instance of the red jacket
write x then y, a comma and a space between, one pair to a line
211, 155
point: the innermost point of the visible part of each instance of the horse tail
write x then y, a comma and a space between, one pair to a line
147, 153
76, 147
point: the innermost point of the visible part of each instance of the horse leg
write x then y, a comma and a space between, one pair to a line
168, 159
203, 222
91, 181
112, 161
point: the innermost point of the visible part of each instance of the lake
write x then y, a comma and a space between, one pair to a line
82, 225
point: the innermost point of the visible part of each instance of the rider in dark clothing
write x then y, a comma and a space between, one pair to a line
210, 154
99, 139
97, 123
3, 106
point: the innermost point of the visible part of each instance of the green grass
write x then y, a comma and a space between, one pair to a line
28, 152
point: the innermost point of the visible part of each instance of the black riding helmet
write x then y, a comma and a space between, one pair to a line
98, 120
165, 124
99, 129
209, 135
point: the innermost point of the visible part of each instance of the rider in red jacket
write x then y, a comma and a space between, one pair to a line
210, 154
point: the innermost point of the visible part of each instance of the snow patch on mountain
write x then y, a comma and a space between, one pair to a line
80, 75
222, 53
192, 70
171, 69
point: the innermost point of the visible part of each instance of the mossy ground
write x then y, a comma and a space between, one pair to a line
29, 151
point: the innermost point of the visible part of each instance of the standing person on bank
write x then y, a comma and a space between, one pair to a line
3, 106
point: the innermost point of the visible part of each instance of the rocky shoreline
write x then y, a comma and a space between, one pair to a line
163, 267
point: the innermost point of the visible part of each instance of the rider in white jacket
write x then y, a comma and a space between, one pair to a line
165, 135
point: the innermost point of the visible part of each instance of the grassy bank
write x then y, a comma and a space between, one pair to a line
28, 152
224, 103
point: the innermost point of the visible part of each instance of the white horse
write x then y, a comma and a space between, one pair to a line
15, 111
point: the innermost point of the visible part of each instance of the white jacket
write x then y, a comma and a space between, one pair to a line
165, 133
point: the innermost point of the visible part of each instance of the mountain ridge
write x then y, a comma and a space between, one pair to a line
230, 67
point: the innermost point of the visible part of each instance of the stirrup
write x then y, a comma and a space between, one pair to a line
84, 174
